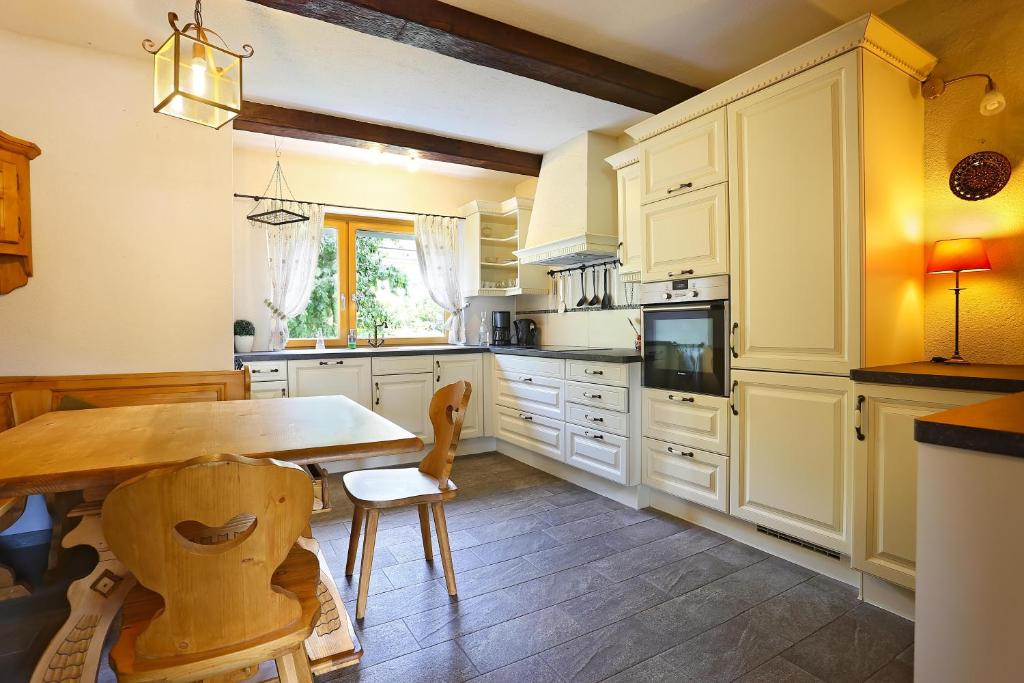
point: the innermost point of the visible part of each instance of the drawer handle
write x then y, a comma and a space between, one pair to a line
593, 436
732, 398
588, 371
260, 372
586, 395
438, 372
376, 386
687, 454
688, 271
678, 187
593, 419
682, 399
528, 418
527, 379
858, 425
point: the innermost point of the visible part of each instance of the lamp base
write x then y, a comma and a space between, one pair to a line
954, 360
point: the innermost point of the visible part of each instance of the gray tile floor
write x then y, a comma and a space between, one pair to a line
559, 584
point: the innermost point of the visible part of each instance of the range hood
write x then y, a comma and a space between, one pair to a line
574, 219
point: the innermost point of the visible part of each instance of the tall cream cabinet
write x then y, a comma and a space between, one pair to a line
885, 474
628, 183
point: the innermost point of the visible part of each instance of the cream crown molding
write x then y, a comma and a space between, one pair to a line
626, 157
492, 208
868, 32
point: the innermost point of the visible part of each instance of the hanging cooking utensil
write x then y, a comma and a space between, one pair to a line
594, 300
583, 289
606, 300
563, 282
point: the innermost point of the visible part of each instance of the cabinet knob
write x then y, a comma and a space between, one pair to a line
685, 454
528, 418
527, 379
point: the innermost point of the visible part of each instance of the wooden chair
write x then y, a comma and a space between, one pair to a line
374, 490
223, 586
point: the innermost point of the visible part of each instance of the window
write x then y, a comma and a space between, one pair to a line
368, 270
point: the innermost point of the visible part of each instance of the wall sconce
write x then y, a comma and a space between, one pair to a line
957, 256
992, 102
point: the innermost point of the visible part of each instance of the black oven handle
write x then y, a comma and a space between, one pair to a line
662, 309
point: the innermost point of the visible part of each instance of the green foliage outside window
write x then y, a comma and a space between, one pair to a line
321, 315
370, 271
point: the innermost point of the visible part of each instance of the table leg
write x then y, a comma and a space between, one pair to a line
333, 644
73, 654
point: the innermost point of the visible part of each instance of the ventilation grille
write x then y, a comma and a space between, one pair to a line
827, 552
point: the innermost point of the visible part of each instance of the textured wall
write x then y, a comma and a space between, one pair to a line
968, 37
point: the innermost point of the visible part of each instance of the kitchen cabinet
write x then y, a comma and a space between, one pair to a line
791, 459
686, 236
405, 400
597, 418
15, 212
529, 365
402, 365
687, 473
598, 396
535, 433
491, 234
628, 190
533, 394
686, 158
597, 372
695, 420
271, 389
597, 452
468, 367
346, 377
885, 475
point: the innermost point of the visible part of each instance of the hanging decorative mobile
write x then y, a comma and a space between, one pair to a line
275, 207
193, 79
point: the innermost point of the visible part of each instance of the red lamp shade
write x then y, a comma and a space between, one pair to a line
954, 256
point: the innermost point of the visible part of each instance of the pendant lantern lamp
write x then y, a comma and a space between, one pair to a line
193, 78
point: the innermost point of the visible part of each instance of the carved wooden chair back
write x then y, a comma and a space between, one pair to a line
167, 527
447, 413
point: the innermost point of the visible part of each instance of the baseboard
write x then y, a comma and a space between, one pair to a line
482, 444
627, 495
888, 596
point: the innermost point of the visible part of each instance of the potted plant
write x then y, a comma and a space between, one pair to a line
245, 334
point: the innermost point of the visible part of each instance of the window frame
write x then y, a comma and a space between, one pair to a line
347, 227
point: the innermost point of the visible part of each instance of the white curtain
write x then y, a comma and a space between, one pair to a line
437, 251
292, 252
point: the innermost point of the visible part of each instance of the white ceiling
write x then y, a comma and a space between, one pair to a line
317, 66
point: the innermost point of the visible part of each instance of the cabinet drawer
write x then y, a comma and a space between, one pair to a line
598, 395
694, 420
529, 393
683, 159
532, 432
687, 473
600, 373
597, 452
334, 376
687, 235
268, 370
530, 365
273, 389
402, 365
597, 418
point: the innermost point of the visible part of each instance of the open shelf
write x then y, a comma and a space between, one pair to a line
502, 264
511, 239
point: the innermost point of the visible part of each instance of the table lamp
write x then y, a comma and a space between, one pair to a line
957, 256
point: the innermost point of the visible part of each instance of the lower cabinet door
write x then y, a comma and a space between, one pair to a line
405, 400
533, 432
791, 461
533, 394
691, 419
468, 367
885, 475
275, 389
600, 453
331, 377
687, 473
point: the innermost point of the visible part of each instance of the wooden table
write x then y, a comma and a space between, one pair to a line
98, 448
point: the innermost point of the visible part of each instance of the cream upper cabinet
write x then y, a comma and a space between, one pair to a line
685, 158
885, 475
468, 367
686, 236
405, 400
630, 231
795, 222
791, 445
348, 377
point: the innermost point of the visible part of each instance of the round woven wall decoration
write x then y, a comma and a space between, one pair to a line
979, 175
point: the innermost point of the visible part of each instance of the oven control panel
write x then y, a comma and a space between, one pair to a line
711, 288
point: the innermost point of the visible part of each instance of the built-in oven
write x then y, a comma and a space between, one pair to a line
686, 335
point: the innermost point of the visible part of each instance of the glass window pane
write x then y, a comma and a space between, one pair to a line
389, 287
322, 314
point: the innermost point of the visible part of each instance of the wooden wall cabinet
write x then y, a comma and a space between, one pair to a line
629, 186
15, 212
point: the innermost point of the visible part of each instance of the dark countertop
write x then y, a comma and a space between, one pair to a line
596, 355
973, 377
995, 426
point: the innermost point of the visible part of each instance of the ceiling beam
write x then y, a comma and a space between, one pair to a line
473, 38
307, 125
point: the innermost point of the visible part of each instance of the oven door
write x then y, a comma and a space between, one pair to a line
685, 348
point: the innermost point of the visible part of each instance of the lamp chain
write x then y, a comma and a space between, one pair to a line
199, 14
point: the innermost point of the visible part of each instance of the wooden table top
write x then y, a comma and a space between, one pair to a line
78, 449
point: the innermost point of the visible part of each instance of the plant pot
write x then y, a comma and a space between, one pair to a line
243, 344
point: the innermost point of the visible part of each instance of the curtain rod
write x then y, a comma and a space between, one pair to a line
257, 198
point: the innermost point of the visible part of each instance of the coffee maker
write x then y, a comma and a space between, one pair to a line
501, 328
526, 332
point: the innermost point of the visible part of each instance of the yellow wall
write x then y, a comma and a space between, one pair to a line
977, 36
131, 221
